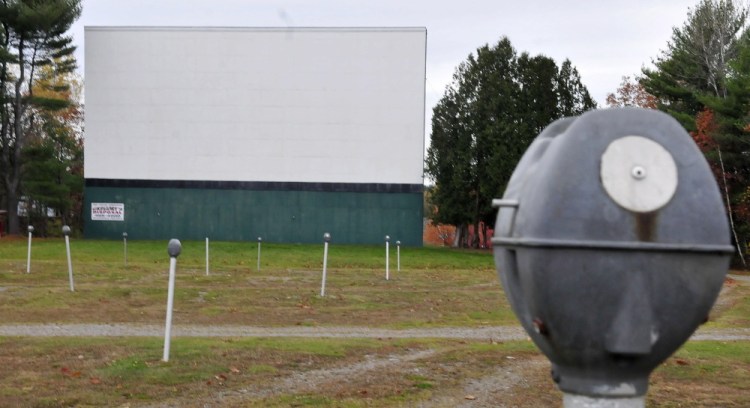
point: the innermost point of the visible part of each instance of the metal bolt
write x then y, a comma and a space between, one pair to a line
638, 173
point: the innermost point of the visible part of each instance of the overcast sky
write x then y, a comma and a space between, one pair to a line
604, 39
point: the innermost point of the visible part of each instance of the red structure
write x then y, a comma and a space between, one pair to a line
444, 235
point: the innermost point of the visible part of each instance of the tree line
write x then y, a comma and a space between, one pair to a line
41, 152
498, 101
702, 79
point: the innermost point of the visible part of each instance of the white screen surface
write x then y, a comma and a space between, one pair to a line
240, 104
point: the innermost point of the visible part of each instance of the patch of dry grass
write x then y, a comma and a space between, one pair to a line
437, 287
703, 374
60, 372
463, 292
57, 372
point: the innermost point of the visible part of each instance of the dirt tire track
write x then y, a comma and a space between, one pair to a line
490, 390
306, 381
487, 391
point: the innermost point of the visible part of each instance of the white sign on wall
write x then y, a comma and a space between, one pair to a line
107, 212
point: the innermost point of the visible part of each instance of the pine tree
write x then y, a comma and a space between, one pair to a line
697, 58
33, 36
496, 105
703, 80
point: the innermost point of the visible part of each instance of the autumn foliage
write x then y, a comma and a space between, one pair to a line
731, 184
703, 136
705, 126
438, 234
631, 93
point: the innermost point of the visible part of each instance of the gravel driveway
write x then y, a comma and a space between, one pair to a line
497, 333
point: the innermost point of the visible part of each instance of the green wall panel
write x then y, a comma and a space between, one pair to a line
242, 215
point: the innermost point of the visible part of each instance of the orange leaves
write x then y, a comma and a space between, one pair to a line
222, 378
705, 126
631, 93
77, 374
681, 361
70, 373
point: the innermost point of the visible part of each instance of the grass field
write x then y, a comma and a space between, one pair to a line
436, 287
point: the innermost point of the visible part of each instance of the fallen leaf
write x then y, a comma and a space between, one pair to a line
234, 370
681, 362
95, 381
221, 377
470, 397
